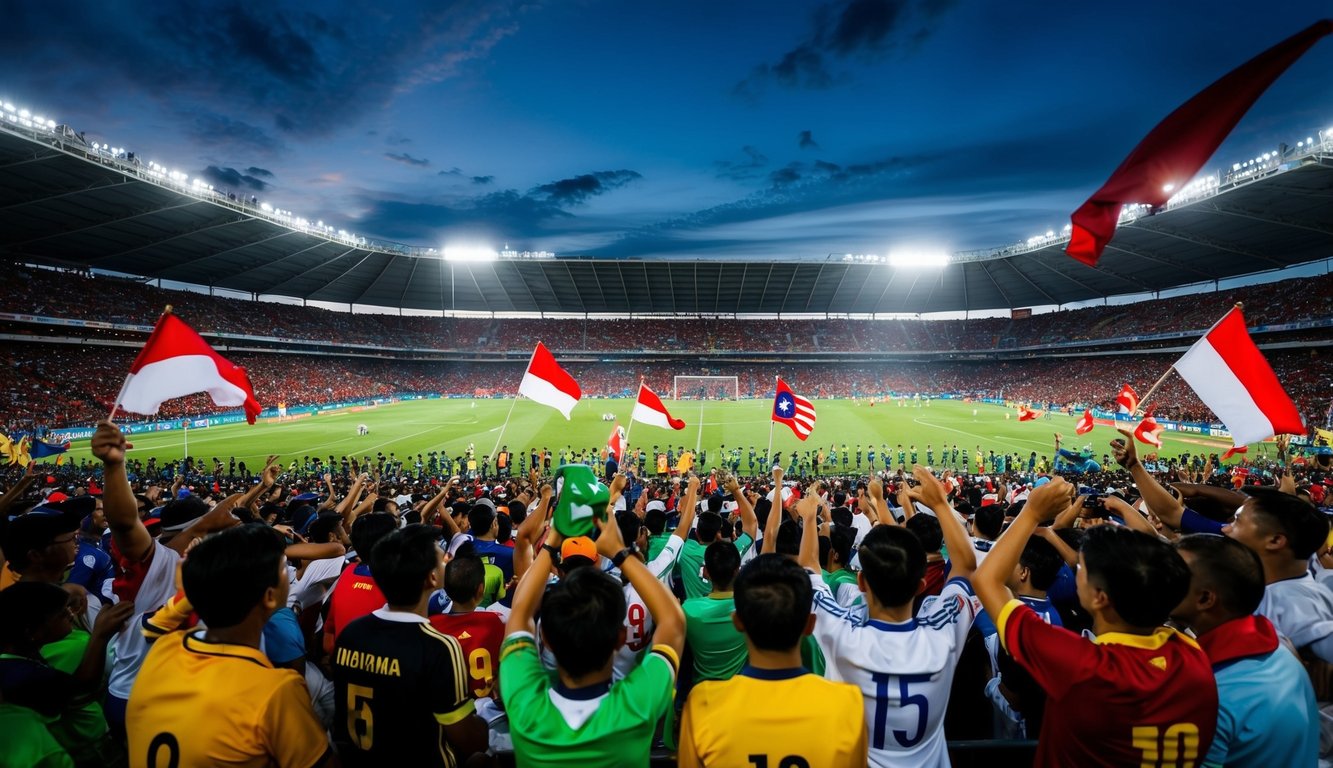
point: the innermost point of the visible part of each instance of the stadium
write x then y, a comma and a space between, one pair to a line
395, 380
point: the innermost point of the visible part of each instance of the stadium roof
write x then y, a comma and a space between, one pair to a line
64, 203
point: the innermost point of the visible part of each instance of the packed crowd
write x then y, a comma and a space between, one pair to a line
44, 389
359, 613
73, 296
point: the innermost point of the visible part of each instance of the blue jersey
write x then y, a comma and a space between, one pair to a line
1041, 605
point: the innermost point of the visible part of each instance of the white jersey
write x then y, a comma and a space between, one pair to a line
904, 670
149, 593
981, 547
638, 620
862, 525
1302, 611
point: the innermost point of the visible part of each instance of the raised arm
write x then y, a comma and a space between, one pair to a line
122, 512
876, 490
989, 580
1159, 500
689, 508
528, 534
20, 487
1132, 517
749, 523
962, 555
774, 515
808, 509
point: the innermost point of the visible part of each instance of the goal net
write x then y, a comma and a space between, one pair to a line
705, 388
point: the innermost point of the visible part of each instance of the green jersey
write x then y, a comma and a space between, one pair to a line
27, 742
612, 729
719, 650
811, 657
657, 543
691, 565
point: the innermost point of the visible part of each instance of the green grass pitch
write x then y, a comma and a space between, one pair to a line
420, 426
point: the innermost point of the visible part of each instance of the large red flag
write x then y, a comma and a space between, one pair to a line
1085, 424
1169, 156
1149, 431
549, 384
1230, 375
176, 361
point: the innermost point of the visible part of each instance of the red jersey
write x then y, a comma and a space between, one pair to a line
480, 633
354, 595
1143, 700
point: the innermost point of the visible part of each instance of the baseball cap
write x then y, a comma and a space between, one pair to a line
578, 546
43, 523
656, 504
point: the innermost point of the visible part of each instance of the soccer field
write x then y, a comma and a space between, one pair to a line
420, 426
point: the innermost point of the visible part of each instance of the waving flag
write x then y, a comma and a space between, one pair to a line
1231, 377
41, 450
1149, 431
547, 383
176, 362
1127, 402
793, 410
649, 410
1085, 424
1235, 449
1177, 147
615, 444
19, 455
1027, 414
6, 446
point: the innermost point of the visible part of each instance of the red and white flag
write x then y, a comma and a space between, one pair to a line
549, 384
793, 410
1085, 424
1230, 375
1235, 449
1149, 431
615, 444
1127, 402
175, 362
1169, 156
1027, 414
648, 409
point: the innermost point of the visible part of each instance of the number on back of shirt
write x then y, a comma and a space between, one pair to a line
482, 671
1177, 747
790, 761
360, 720
173, 751
905, 699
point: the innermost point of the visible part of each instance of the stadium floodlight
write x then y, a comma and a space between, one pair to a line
918, 259
1168, 187
469, 253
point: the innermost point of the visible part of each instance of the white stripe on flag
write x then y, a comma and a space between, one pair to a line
1219, 389
646, 415
536, 388
175, 377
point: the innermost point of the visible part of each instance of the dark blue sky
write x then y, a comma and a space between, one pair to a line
731, 129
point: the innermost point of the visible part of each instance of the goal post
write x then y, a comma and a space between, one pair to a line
705, 388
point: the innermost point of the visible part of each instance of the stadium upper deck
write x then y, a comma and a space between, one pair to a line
66, 202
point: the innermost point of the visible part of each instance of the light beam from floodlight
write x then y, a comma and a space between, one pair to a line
469, 253
918, 259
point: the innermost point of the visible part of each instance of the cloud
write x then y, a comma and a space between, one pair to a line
406, 159
396, 140
509, 213
220, 131
577, 190
806, 140
842, 29
455, 171
234, 179
262, 173
748, 168
307, 70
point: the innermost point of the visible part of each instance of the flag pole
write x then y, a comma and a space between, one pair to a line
505, 425
770, 427
115, 407
1147, 396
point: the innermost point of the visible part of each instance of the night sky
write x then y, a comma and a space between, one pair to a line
652, 129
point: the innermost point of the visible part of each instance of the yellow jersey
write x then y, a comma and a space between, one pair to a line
776, 735
197, 703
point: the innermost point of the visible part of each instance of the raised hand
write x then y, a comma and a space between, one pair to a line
1049, 500
109, 444
1124, 452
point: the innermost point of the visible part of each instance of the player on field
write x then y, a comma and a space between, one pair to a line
1266, 708
403, 689
774, 712
578, 718
1142, 693
902, 662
